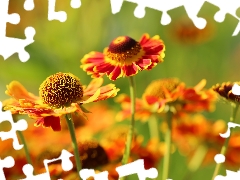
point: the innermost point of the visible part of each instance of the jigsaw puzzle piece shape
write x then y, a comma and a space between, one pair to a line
20, 125
225, 7
9, 46
28, 171
7, 162
66, 166
60, 15
137, 167
66, 162
209, 10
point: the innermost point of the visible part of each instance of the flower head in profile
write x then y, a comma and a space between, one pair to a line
59, 94
124, 57
224, 90
172, 94
169, 95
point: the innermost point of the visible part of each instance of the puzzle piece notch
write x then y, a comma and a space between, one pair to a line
137, 167
87, 173
66, 165
20, 125
53, 15
75, 4
226, 7
7, 162
60, 15
29, 5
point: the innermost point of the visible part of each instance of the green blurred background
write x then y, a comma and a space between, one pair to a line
212, 53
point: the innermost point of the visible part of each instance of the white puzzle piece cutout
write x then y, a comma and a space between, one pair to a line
60, 15
236, 89
7, 162
87, 173
192, 8
9, 45
137, 167
20, 125
66, 166
230, 175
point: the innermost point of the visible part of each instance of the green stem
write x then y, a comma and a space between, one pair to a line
153, 128
197, 158
168, 141
131, 129
196, 161
22, 139
224, 147
74, 142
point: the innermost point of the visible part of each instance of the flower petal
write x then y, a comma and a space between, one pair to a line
116, 73
93, 86
91, 60
49, 121
130, 70
200, 85
16, 90
92, 98
143, 63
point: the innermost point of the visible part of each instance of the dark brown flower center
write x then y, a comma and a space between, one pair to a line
123, 48
61, 89
92, 154
158, 88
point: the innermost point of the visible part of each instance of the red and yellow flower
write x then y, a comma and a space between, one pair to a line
59, 94
124, 57
169, 94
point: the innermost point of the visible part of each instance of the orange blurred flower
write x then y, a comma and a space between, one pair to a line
169, 94
191, 131
124, 57
187, 33
232, 154
60, 94
116, 139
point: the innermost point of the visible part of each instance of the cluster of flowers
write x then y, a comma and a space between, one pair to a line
62, 97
